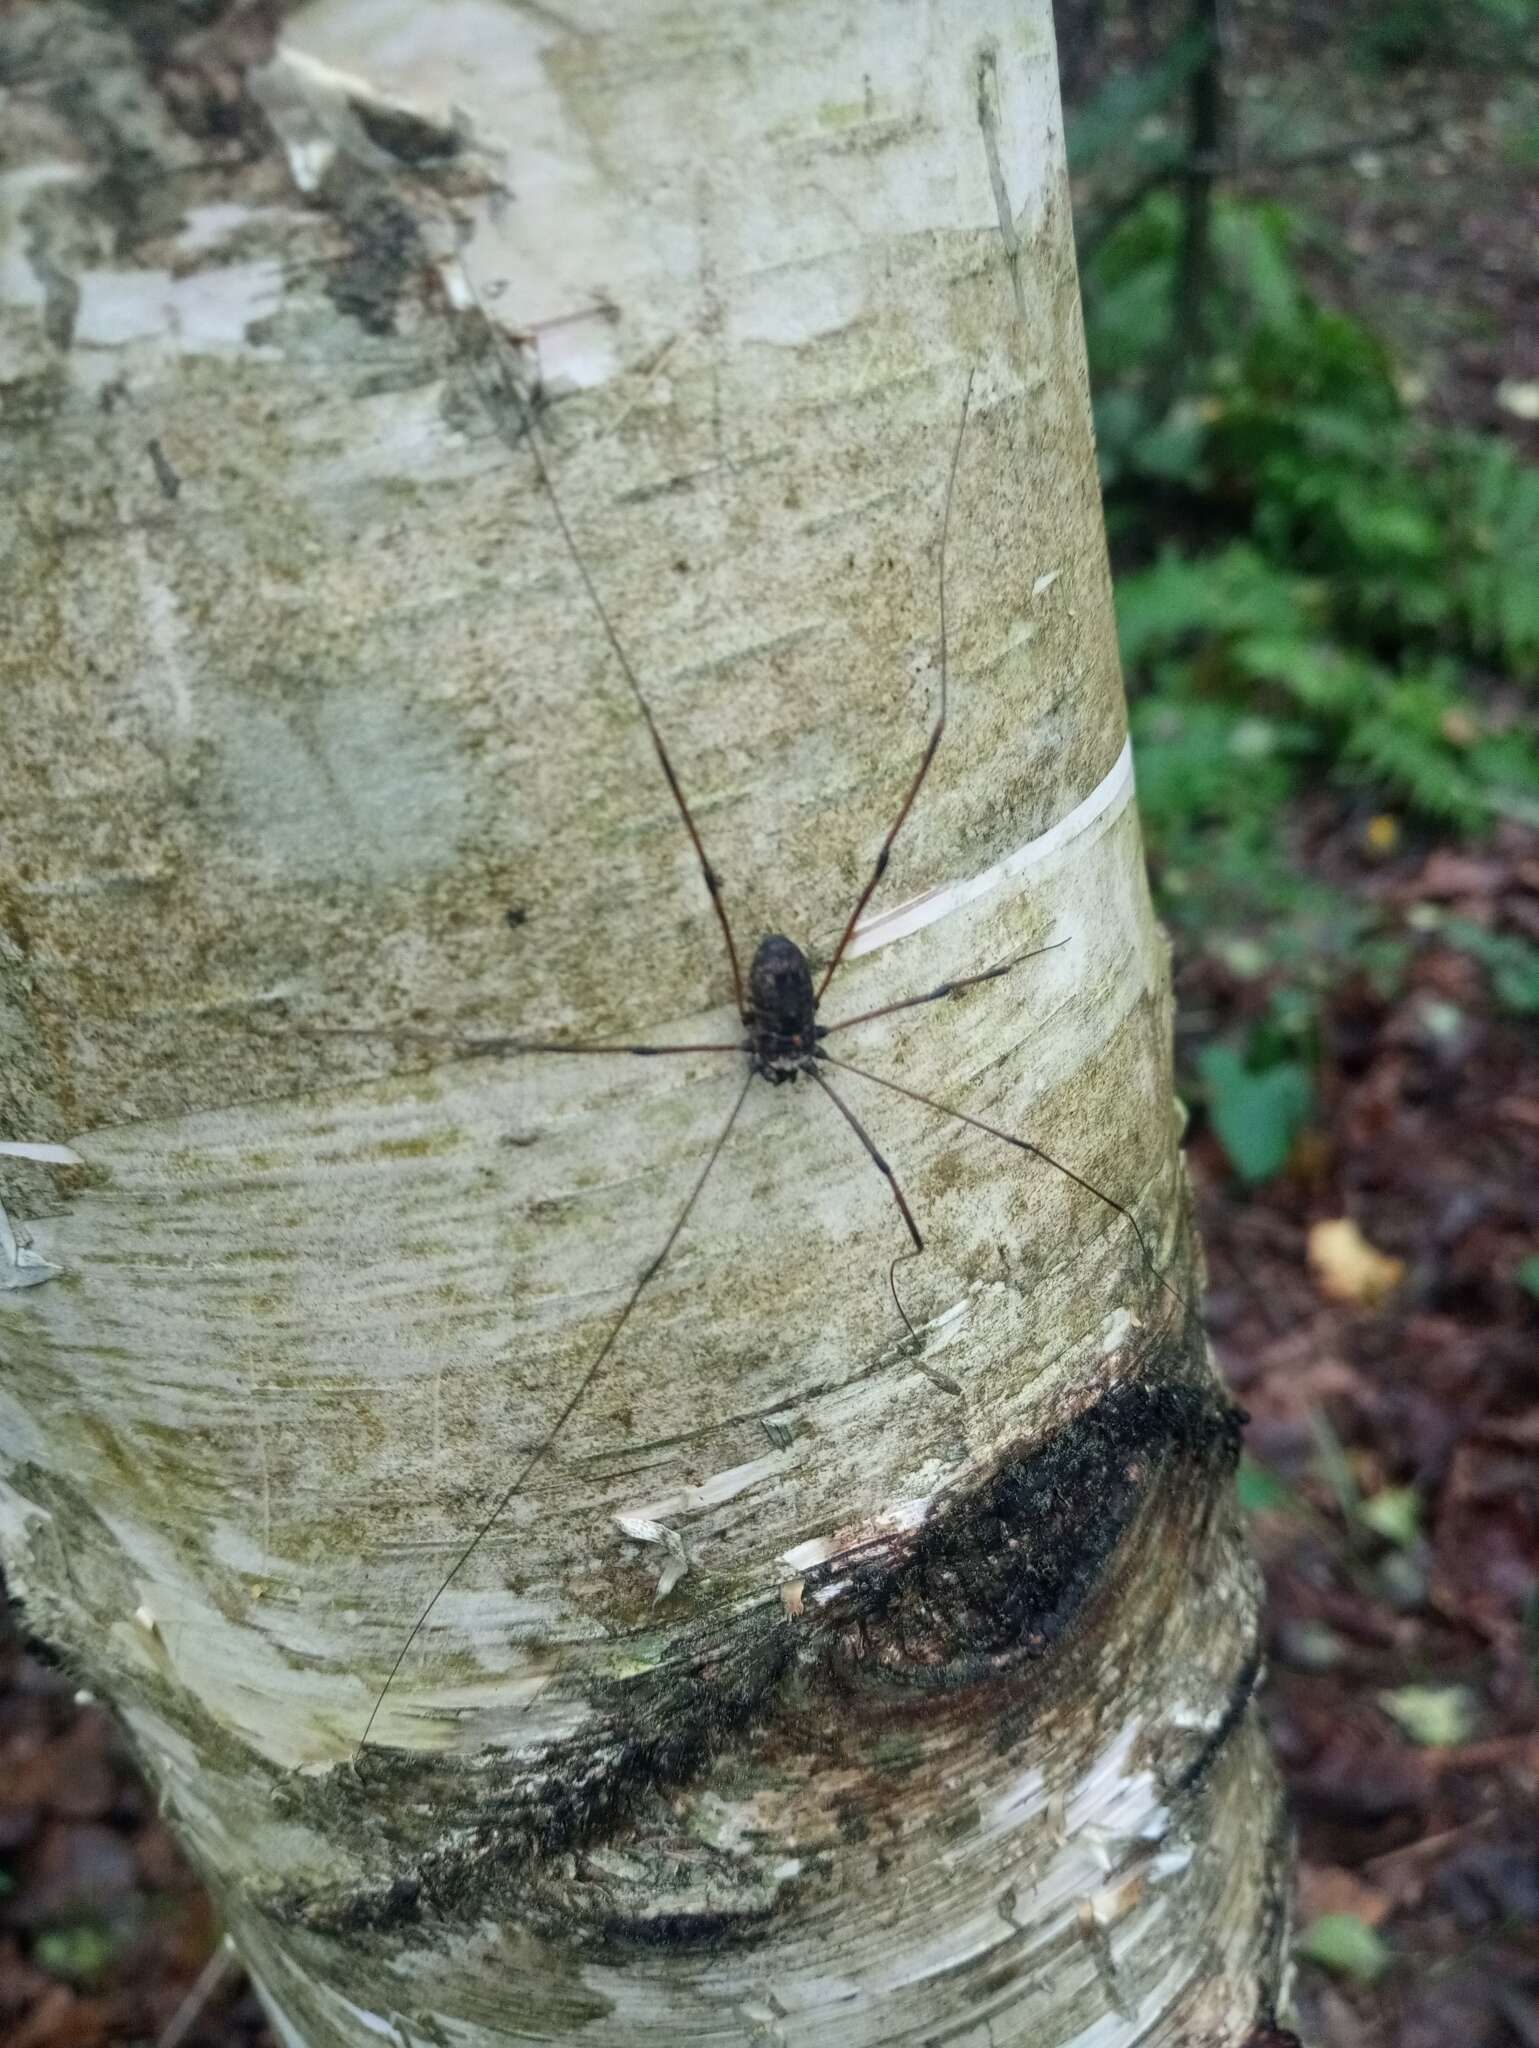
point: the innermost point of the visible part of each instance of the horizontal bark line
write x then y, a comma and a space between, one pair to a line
1098, 811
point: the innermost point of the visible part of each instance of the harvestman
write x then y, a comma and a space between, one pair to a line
778, 1006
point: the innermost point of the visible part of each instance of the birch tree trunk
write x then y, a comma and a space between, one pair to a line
317, 763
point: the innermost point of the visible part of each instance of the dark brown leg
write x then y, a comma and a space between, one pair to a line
514, 391
947, 988
501, 1048
947, 1382
1021, 1145
932, 745
882, 1167
892, 1285
520, 1479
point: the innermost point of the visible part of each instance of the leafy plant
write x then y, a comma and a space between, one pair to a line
1395, 33
1317, 589
1512, 963
1256, 1111
1314, 584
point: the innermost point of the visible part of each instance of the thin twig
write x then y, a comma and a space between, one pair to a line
210, 1980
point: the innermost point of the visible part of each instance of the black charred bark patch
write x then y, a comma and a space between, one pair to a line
1005, 1575
676, 1932
993, 1585
383, 257
481, 1835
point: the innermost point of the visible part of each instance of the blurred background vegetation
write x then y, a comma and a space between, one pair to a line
1309, 245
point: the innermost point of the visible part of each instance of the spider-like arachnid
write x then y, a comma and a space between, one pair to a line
778, 1002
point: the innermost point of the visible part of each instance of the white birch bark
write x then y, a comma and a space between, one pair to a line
945, 1734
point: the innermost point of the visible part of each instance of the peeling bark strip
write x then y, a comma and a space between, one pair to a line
945, 1733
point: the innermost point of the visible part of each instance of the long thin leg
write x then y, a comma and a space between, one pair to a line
943, 1380
501, 1048
514, 391
1021, 1145
947, 988
892, 1284
882, 1167
520, 1479
932, 745
947, 1382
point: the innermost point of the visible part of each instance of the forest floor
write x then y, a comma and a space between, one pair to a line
1391, 1369
1393, 1469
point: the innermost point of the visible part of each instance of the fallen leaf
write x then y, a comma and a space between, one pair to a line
1347, 1268
1447, 874
1394, 1513
1520, 397
1342, 1943
1436, 1716
1459, 728
1325, 1890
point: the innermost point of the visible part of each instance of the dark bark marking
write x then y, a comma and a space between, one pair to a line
991, 1588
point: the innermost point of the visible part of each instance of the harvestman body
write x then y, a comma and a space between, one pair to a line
783, 1040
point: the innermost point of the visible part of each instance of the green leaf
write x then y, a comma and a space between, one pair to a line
1236, 591
1322, 676
1259, 1488
1436, 1716
1347, 1946
1393, 1513
78, 1955
1256, 1115
1252, 243
1125, 102
1527, 1275
1512, 963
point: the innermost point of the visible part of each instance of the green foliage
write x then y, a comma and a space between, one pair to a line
1319, 583
1256, 1111
1512, 964
1317, 590
1259, 1489
1126, 108
79, 1954
1395, 1513
1346, 1946
1395, 33
1416, 542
